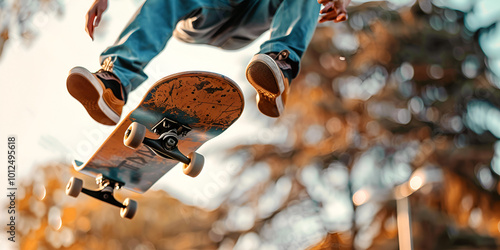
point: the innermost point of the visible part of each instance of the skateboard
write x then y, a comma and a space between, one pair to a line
178, 114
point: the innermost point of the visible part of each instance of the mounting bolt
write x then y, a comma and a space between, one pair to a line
171, 142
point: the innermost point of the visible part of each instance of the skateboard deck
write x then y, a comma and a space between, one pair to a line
207, 103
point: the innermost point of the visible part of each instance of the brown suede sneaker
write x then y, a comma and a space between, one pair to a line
269, 75
100, 93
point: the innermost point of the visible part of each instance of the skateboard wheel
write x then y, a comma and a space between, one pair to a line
74, 187
194, 167
129, 210
134, 135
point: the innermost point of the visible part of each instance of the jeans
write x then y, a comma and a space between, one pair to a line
228, 24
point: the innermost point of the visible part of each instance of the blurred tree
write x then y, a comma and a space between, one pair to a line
395, 90
21, 20
48, 219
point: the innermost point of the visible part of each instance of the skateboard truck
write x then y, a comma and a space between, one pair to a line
105, 193
165, 146
166, 125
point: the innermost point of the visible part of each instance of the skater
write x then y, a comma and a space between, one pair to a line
228, 24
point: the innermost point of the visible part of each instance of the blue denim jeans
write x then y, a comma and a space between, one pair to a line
228, 24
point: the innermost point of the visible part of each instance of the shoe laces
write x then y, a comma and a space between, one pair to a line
108, 64
106, 71
281, 59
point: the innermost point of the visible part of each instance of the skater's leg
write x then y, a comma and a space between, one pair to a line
146, 36
271, 71
292, 29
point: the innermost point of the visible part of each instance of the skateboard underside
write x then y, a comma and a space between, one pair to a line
206, 103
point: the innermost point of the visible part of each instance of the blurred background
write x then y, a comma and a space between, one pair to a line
389, 139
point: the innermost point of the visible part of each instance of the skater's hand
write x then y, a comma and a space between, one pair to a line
334, 10
94, 16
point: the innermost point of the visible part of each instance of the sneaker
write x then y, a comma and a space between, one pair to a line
100, 93
270, 75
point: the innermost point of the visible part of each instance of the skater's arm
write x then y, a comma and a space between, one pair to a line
334, 10
94, 16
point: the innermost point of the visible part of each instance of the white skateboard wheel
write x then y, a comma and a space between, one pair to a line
134, 135
194, 167
74, 187
129, 210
